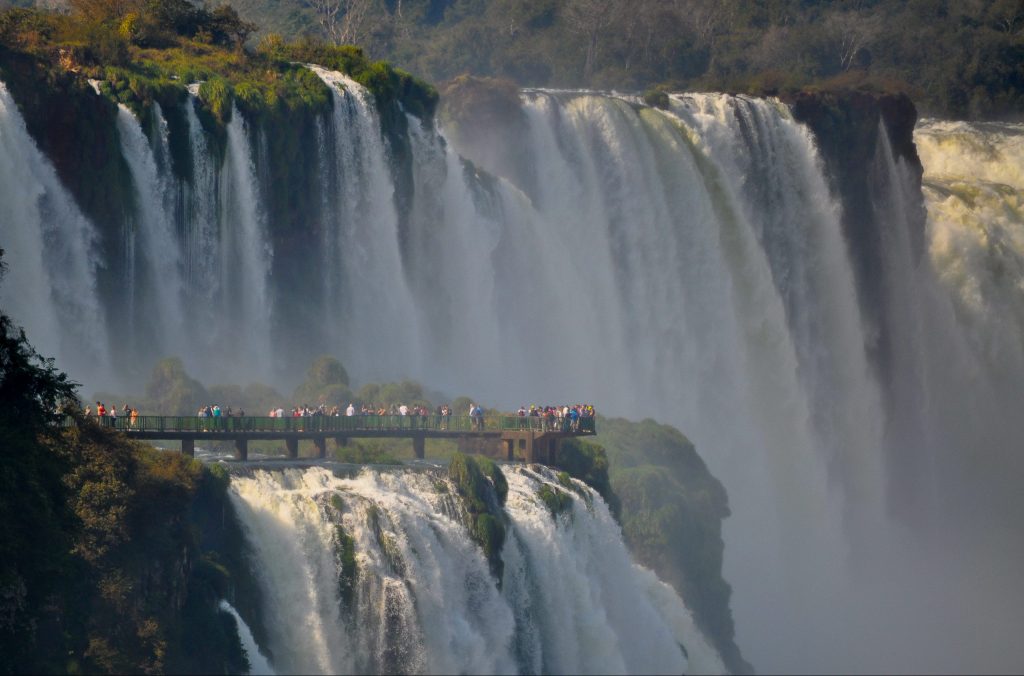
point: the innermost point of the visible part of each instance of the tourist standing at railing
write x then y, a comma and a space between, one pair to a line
350, 411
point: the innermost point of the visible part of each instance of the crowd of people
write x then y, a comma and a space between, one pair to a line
563, 418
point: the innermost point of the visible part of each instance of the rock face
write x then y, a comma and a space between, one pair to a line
848, 126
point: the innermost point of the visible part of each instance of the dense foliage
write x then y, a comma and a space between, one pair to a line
956, 58
141, 51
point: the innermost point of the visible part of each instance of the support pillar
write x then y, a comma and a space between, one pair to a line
241, 449
419, 446
293, 448
321, 447
530, 457
188, 447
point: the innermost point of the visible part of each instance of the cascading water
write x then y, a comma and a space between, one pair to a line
161, 284
377, 573
686, 265
258, 664
50, 286
369, 304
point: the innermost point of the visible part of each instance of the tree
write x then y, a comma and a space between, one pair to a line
34, 540
850, 33
342, 21
590, 18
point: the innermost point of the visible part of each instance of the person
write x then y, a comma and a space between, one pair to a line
351, 410
88, 411
100, 410
134, 417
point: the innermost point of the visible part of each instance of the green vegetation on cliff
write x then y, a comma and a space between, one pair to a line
482, 489
671, 510
145, 52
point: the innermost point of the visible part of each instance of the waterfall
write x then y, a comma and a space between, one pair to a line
417, 595
245, 263
369, 302
159, 290
685, 264
258, 664
50, 286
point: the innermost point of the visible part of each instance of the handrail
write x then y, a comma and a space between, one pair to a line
341, 425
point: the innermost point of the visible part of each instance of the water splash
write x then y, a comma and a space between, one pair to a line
423, 599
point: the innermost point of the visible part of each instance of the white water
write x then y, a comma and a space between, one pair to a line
685, 265
50, 286
424, 599
258, 663
154, 231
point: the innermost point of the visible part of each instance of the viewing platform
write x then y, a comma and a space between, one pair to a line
527, 438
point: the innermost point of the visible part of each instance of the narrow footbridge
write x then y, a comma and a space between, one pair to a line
530, 438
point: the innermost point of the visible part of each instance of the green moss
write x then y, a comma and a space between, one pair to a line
486, 519
555, 499
493, 472
656, 98
489, 533
217, 94
587, 462
345, 545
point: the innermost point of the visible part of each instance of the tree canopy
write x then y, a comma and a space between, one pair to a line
959, 58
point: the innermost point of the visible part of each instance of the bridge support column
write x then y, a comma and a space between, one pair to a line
188, 447
419, 447
530, 451
293, 448
241, 449
321, 447
553, 446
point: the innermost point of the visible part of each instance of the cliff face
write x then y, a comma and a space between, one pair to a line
847, 127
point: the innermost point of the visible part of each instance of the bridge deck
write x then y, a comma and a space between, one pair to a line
526, 432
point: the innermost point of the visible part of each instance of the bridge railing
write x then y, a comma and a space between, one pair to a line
342, 425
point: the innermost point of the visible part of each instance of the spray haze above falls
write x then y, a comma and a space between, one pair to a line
694, 264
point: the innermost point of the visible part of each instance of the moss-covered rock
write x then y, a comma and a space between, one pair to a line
671, 514
485, 518
555, 499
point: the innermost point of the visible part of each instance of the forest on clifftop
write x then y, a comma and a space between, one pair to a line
962, 59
